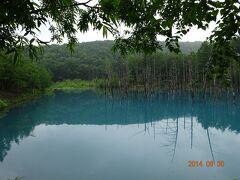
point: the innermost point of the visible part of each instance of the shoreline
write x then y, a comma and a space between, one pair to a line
12, 100
9, 100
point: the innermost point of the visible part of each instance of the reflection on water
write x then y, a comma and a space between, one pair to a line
87, 135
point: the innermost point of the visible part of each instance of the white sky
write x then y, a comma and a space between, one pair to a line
193, 35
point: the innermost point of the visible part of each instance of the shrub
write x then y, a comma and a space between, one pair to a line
25, 75
3, 104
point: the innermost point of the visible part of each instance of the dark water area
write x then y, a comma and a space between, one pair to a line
88, 135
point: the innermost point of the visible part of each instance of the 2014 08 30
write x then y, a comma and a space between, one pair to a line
208, 163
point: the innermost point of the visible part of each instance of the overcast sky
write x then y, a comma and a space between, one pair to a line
194, 35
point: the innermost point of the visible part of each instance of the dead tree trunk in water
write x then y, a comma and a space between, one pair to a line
146, 86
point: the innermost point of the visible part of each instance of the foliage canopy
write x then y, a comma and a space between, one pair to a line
146, 19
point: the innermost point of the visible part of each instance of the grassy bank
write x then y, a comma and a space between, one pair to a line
75, 84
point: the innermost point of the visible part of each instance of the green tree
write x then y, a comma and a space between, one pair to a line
23, 76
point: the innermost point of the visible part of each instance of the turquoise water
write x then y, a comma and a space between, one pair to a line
89, 136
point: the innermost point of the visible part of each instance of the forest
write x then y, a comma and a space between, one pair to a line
95, 61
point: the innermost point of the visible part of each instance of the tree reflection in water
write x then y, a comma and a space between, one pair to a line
94, 108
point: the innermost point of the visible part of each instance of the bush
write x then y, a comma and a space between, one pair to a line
24, 75
3, 104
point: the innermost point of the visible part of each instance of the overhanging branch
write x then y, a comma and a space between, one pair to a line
67, 6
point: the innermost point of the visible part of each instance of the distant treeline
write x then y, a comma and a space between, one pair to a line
189, 69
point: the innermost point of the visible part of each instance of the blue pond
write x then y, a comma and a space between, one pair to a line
88, 135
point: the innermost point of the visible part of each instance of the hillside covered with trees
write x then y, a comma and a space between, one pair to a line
90, 60
189, 69
186, 70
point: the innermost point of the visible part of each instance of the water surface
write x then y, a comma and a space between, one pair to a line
90, 136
